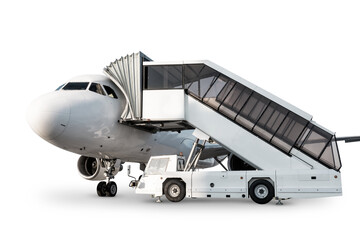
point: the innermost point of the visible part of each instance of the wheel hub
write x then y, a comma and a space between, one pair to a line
113, 189
174, 191
261, 191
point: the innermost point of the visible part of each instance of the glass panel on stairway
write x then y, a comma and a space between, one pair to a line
289, 132
270, 121
327, 156
252, 110
198, 79
235, 101
219, 87
316, 141
230, 98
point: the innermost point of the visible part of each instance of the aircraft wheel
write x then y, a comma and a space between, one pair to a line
101, 189
175, 190
111, 189
261, 191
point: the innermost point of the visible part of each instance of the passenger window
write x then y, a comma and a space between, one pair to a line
95, 87
110, 92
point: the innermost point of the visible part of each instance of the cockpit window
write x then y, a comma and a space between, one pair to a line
76, 86
60, 87
110, 92
95, 87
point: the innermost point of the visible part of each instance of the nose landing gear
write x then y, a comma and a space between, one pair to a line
108, 188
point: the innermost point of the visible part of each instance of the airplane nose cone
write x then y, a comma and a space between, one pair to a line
48, 116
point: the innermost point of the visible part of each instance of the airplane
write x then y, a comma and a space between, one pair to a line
82, 116
85, 116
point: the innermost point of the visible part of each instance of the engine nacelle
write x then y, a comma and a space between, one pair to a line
93, 169
237, 164
206, 163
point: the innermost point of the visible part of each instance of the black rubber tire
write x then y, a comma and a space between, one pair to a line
111, 189
101, 189
175, 190
261, 191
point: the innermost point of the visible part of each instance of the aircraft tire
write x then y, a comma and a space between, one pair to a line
101, 189
111, 189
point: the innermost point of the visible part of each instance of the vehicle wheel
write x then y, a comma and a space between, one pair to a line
261, 191
111, 189
101, 189
174, 190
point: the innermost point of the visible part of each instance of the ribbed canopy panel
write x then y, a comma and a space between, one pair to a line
126, 74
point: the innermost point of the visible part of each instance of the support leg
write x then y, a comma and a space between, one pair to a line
191, 154
279, 202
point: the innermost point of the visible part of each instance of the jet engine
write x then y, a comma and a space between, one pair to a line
94, 168
206, 163
237, 164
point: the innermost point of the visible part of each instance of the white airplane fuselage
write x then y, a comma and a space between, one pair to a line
87, 123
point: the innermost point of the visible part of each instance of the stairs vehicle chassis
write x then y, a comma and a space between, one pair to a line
163, 176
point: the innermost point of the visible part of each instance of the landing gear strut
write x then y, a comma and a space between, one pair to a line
108, 188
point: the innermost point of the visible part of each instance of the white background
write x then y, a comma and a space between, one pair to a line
306, 52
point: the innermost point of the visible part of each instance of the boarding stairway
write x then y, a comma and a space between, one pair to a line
255, 125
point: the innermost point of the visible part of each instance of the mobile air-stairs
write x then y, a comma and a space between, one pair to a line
298, 157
